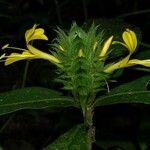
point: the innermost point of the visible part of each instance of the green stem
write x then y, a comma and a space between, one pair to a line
25, 74
23, 85
88, 121
6, 123
142, 69
145, 45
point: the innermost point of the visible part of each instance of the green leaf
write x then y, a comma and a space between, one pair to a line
139, 84
74, 139
32, 98
132, 92
127, 97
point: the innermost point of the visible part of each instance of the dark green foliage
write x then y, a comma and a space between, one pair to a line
132, 92
32, 98
74, 139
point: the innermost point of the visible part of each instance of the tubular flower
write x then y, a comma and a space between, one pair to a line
133, 62
35, 34
106, 46
31, 52
130, 42
121, 64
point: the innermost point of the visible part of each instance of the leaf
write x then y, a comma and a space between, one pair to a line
127, 97
132, 92
74, 139
139, 84
32, 98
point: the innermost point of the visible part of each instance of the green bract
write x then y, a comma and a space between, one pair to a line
82, 55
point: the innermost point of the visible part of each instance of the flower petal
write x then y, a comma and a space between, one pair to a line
38, 35
42, 55
17, 57
106, 46
29, 33
35, 34
134, 39
130, 40
121, 64
133, 62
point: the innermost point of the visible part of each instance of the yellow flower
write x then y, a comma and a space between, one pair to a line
31, 52
80, 53
133, 62
126, 63
130, 40
13, 57
106, 46
34, 34
121, 64
42, 55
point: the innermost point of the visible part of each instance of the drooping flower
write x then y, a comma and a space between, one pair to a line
130, 42
31, 52
35, 34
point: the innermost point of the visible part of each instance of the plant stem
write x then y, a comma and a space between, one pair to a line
142, 69
145, 45
88, 120
25, 74
6, 123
